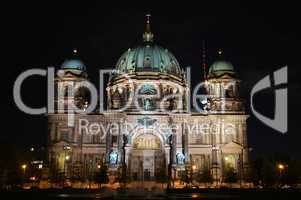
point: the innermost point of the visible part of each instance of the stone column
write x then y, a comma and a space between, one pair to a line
168, 161
186, 142
127, 154
245, 153
167, 156
174, 149
120, 145
216, 163
108, 146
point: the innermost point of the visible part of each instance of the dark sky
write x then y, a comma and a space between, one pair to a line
256, 38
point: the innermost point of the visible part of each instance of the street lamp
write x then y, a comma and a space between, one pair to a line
24, 170
24, 167
67, 157
193, 168
280, 167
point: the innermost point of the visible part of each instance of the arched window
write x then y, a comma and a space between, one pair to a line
147, 62
148, 89
229, 92
180, 158
148, 104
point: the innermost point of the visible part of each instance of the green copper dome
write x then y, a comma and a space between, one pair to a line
74, 64
220, 67
148, 57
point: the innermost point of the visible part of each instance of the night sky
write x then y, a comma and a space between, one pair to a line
257, 39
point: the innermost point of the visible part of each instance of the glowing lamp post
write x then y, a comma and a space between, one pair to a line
24, 168
193, 168
226, 158
67, 157
280, 167
24, 171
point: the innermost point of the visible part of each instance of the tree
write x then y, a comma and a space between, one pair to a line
162, 177
185, 177
122, 177
230, 175
269, 173
250, 175
292, 173
101, 177
205, 176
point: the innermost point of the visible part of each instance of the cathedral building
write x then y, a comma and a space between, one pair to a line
155, 130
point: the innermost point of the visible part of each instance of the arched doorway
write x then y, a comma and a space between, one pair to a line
147, 157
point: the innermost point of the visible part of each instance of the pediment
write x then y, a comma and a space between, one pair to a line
232, 147
60, 144
226, 76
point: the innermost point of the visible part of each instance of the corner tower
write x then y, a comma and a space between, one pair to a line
226, 112
72, 71
223, 87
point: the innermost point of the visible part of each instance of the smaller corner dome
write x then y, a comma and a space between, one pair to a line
73, 64
219, 67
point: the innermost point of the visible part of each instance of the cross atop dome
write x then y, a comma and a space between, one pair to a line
74, 51
148, 18
220, 52
148, 36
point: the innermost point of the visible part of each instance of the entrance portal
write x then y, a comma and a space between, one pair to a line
147, 158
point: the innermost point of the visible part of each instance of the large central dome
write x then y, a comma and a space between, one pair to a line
148, 57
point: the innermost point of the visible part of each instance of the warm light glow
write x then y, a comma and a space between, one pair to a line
31, 149
98, 166
24, 166
67, 147
33, 178
280, 166
67, 157
226, 158
40, 166
194, 167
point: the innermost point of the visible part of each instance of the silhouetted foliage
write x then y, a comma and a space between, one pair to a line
101, 177
122, 177
230, 175
205, 176
292, 174
269, 173
185, 177
162, 176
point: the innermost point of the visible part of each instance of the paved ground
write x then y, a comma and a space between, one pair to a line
156, 195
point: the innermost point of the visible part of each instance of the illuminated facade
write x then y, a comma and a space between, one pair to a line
151, 88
